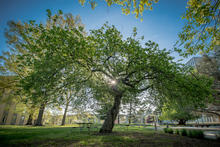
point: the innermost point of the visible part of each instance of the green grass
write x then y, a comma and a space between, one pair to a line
12, 135
17, 135
64, 136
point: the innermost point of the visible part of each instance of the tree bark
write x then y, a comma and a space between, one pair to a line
155, 123
40, 115
30, 119
111, 116
118, 119
64, 115
129, 120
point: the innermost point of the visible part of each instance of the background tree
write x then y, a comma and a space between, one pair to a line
70, 96
31, 111
35, 57
103, 110
132, 105
178, 114
67, 96
181, 105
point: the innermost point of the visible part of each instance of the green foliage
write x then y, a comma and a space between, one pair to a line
138, 69
209, 66
183, 132
190, 133
103, 111
201, 32
180, 104
177, 132
58, 56
168, 130
36, 48
195, 134
165, 130
136, 7
178, 113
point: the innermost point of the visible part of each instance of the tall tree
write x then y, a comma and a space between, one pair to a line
35, 49
124, 67
31, 110
68, 96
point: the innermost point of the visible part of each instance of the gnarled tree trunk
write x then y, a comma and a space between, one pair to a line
111, 116
40, 115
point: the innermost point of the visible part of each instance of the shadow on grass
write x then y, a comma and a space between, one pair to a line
69, 136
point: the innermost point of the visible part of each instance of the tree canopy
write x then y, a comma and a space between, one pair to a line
34, 50
136, 7
201, 32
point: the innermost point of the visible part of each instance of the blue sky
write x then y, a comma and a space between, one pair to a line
160, 25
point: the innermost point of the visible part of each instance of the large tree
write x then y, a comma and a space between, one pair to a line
123, 67
34, 52
61, 55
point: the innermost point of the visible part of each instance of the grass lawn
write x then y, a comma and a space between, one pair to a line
67, 136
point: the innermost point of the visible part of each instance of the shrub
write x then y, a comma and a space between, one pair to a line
197, 134
218, 136
190, 133
183, 132
165, 130
177, 132
168, 130
193, 133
